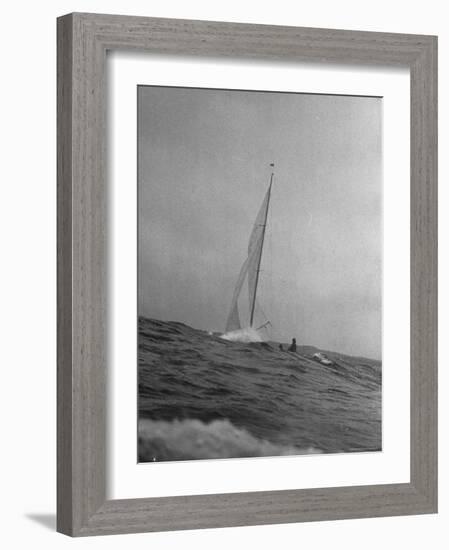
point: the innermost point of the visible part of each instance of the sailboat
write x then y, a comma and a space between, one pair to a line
250, 270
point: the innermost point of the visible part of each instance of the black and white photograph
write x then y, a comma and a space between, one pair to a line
259, 273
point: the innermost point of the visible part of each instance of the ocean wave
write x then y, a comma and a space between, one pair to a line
201, 396
191, 439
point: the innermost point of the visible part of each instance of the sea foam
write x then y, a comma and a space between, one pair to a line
245, 335
193, 439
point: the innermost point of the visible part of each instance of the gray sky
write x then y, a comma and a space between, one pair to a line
203, 171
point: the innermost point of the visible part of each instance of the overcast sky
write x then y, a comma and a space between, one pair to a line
204, 160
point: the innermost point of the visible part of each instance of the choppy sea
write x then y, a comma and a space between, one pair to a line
204, 397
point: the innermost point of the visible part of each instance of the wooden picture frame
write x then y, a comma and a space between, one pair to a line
83, 40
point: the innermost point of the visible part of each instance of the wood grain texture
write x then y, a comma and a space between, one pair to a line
64, 277
83, 40
424, 251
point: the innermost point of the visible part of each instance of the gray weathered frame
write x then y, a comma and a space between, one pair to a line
83, 40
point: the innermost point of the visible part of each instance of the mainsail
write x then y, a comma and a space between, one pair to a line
251, 266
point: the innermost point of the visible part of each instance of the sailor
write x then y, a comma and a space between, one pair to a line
292, 346
280, 347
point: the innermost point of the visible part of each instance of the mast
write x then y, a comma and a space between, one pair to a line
261, 249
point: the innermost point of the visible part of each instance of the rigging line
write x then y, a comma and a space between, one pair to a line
263, 326
261, 310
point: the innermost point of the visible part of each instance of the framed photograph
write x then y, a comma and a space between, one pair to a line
247, 282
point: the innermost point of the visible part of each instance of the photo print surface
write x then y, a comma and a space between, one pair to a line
259, 273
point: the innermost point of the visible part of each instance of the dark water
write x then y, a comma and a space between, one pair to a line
204, 397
